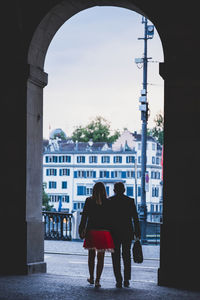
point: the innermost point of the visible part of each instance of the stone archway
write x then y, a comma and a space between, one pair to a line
36, 82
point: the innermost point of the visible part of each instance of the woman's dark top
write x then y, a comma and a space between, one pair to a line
95, 216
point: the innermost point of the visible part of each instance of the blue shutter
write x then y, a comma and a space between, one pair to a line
112, 174
127, 159
64, 184
75, 174
81, 190
94, 174
108, 158
84, 190
68, 172
123, 174
120, 159
84, 174
107, 174
114, 159
47, 172
101, 174
47, 159
102, 159
67, 199
139, 191
55, 172
83, 159
129, 191
107, 190
60, 158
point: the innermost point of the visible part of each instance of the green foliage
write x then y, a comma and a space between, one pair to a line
97, 130
60, 135
158, 130
45, 201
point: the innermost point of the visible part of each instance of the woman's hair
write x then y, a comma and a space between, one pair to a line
99, 192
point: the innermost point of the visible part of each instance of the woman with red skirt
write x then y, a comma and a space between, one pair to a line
95, 228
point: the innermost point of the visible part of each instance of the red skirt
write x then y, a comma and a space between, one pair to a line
100, 240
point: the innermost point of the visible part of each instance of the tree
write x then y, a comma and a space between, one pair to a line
45, 201
97, 130
158, 130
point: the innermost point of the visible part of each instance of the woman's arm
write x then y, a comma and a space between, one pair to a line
83, 221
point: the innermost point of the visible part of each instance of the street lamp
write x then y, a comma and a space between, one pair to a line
148, 34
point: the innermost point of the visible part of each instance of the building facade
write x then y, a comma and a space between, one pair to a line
71, 169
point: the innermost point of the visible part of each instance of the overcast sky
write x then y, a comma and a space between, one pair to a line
92, 71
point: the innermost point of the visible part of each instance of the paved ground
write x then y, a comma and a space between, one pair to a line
67, 272
72, 256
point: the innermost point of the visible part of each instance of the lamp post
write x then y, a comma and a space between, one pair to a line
148, 34
136, 203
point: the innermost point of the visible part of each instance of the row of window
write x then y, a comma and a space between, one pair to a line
106, 174
154, 160
78, 205
94, 159
87, 191
53, 172
57, 198
83, 190
102, 174
113, 174
53, 185
154, 207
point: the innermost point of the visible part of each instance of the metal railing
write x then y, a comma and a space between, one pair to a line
153, 233
57, 225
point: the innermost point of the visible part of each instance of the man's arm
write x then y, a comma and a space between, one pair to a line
136, 221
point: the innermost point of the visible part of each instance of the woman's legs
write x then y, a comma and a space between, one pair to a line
91, 260
100, 264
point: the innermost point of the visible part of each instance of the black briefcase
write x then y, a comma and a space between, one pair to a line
137, 252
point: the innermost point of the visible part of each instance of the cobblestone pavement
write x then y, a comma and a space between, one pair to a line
67, 272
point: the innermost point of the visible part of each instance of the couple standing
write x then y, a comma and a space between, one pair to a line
107, 225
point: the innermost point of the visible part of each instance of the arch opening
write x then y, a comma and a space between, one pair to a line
38, 80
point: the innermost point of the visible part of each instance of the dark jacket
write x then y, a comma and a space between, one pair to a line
123, 215
95, 216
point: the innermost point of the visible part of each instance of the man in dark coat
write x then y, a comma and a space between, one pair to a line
123, 214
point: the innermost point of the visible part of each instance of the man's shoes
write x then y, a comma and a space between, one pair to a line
97, 283
118, 285
126, 283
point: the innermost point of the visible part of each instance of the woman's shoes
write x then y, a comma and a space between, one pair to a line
97, 284
90, 280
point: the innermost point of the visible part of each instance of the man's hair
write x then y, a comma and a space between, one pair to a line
119, 188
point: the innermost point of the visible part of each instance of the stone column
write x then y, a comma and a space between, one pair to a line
179, 249
35, 227
22, 237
